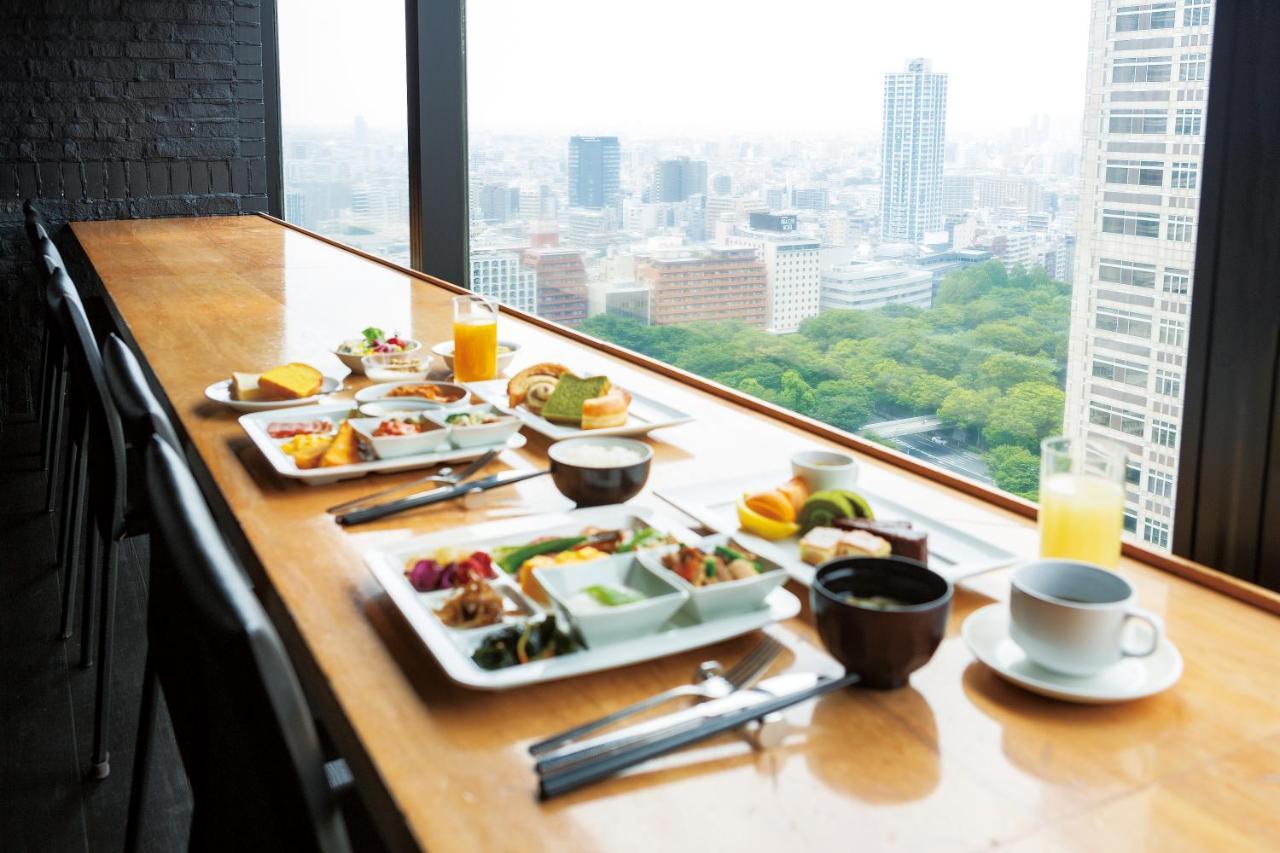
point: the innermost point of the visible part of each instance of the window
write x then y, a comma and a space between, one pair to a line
1141, 69
1163, 433
1134, 223
1145, 173
1183, 176
1156, 532
1180, 228
1192, 67
1127, 272
1172, 332
1138, 121
1115, 417
1177, 281
1168, 383
345, 154
1195, 13
1120, 370
1187, 122
1132, 473
1130, 520
1160, 483
1108, 319
1150, 16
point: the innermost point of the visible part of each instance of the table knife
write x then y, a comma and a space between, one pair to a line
734, 711
434, 496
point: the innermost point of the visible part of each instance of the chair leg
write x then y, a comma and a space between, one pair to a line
102, 708
141, 756
72, 535
42, 402
52, 438
92, 577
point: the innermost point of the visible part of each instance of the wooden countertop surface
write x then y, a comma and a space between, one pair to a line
957, 760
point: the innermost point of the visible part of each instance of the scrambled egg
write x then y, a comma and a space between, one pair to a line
529, 584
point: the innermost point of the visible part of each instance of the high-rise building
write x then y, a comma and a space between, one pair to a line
912, 150
791, 268
561, 279
676, 180
720, 283
957, 193
861, 286
722, 185
594, 163
1135, 242
500, 274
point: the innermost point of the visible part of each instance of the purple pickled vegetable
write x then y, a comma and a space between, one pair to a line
425, 575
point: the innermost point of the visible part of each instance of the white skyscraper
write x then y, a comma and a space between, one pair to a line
1135, 246
912, 150
791, 268
498, 273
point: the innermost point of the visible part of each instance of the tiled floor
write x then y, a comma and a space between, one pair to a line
47, 804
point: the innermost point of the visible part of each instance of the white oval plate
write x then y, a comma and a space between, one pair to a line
986, 633
377, 392
220, 392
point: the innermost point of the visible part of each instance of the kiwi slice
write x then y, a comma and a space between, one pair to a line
861, 508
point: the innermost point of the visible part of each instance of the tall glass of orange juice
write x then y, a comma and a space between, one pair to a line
475, 338
1082, 500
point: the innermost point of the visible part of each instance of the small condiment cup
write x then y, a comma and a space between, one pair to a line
823, 470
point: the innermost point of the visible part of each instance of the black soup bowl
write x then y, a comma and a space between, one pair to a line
595, 471
884, 646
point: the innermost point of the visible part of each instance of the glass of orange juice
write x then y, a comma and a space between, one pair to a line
1082, 500
475, 338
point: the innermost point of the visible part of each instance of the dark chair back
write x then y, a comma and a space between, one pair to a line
141, 415
242, 725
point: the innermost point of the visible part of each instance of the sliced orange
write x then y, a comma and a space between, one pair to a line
763, 526
773, 505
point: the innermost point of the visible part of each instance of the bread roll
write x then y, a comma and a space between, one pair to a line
607, 410
518, 387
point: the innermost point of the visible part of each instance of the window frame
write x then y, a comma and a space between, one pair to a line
1240, 181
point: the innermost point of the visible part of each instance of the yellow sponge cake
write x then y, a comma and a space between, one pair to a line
290, 382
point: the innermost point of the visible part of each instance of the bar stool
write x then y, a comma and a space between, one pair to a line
102, 457
244, 731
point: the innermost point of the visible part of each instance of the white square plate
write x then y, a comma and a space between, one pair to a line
644, 415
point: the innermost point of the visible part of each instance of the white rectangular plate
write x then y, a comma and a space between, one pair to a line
953, 553
255, 426
644, 415
453, 648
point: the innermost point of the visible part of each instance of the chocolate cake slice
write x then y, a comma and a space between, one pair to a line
905, 540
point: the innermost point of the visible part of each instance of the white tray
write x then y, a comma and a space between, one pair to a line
953, 553
453, 647
643, 416
255, 426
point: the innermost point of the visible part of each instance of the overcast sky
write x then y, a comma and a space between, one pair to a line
701, 66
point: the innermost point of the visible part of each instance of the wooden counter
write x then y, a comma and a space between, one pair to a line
958, 760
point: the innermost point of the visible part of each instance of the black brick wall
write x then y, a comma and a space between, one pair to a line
113, 109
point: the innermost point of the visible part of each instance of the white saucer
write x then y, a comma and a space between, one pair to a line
986, 633
220, 392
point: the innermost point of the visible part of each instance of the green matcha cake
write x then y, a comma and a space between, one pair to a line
564, 406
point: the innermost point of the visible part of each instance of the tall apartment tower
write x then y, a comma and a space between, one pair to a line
594, 164
1135, 241
912, 149
676, 180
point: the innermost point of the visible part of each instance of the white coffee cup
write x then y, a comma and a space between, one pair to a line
823, 470
1070, 617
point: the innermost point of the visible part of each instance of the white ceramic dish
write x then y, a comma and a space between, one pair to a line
643, 416
825, 469
397, 407
354, 362
399, 446
444, 350
453, 648
606, 625
722, 599
255, 426
986, 633
220, 392
953, 553
379, 367
481, 434
379, 392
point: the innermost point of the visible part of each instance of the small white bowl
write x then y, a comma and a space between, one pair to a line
721, 599
378, 367
612, 624
482, 435
822, 470
354, 362
444, 349
396, 446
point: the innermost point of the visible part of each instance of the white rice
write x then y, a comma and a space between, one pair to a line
599, 455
